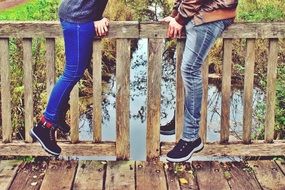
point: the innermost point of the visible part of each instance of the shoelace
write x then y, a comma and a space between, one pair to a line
51, 134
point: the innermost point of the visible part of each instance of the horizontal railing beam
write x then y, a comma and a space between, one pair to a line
134, 29
19, 148
257, 148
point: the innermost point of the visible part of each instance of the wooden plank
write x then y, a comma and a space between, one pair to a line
97, 91
8, 170
63, 170
184, 174
240, 176
5, 91
47, 29
29, 176
120, 175
74, 114
204, 106
123, 99
248, 90
150, 175
281, 165
89, 176
257, 148
28, 87
226, 91
268, 174
50, 65
271, 90
155, 51
171, 176
210, 175
81, 149
179, 111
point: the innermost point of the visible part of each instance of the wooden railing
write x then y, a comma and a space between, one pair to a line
156, 33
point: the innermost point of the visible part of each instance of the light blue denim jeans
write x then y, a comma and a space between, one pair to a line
199, 40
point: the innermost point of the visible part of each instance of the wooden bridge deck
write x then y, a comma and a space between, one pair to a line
123, 175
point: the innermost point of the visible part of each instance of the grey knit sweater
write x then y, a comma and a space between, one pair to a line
80, 11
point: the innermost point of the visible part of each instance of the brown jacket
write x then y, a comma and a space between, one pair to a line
203, 11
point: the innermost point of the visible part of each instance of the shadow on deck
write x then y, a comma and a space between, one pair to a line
123, 175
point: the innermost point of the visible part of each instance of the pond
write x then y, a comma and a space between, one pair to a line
138, 98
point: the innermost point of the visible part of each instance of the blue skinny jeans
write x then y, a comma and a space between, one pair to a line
78, 40
199, 40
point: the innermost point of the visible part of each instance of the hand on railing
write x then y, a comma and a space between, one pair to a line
174, 28
101, 27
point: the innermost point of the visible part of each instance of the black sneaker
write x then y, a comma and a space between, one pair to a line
184, 150
169, 128
44, 132
64, 127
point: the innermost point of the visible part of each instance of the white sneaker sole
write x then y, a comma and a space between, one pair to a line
33, 134
184, 159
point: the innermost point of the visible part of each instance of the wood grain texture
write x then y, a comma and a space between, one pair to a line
63, 170
89, 175
179, 111
204, 106
19, 148
226, 91
50, 64
248, 90
74, 114
281, 165
120, 175
97, 91
171, 177
239, 176
271, 90
268, 174
155, 51
123, 99
134, 29
8, 170
210, 175
5, 91
28, 87
29, 176
150, 175
257, 148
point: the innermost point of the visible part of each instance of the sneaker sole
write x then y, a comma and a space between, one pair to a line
34, 136
184, 159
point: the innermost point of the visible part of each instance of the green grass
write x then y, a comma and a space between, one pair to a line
32, 10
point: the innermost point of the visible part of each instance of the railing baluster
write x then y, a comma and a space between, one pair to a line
204, 107
155, 51
248, 90
5, 91
28, 85
50, 66
97, 91
123, 98
271, 90
74, 114
226, 90
179, 111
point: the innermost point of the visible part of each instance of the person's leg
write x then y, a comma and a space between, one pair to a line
78, 40
199, 41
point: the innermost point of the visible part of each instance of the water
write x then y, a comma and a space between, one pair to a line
138, 98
